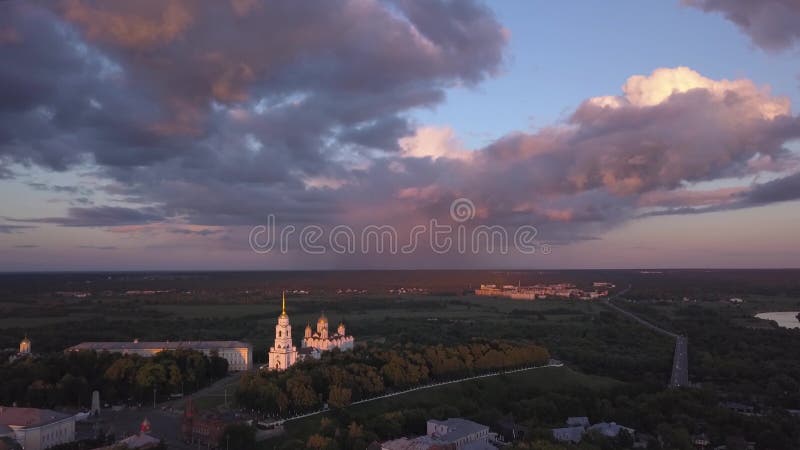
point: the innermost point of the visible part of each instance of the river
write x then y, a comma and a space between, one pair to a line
785, 319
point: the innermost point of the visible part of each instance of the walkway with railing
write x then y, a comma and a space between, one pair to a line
552, 363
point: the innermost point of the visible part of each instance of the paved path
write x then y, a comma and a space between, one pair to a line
218, 389
552, 363
680, 359
680, 363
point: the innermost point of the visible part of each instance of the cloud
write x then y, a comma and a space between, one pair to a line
98, 247
101, 216
771, 24
433, 142
157, 96
7, 229
644, 91
208, 115
645, 148
197, 231
26, 246
60, 188
780, 190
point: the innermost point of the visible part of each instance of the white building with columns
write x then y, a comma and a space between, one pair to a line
283, 354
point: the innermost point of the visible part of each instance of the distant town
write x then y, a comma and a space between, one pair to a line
540, 291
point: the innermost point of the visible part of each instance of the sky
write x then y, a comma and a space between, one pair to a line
172, 134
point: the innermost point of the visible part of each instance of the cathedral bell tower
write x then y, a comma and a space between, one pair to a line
283, 354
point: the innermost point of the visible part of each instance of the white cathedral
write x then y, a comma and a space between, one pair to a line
283, 354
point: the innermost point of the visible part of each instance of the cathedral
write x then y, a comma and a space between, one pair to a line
323, 340
284, 354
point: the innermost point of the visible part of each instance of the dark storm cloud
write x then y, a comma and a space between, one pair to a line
783, 189
780, 190
220, 113
771, 24
65, 103
220, 109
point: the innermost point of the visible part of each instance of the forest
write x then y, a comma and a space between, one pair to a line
67, 379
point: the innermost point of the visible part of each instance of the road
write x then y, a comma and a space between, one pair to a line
680, 358
680, 363
221, 388
165, 420
552, 363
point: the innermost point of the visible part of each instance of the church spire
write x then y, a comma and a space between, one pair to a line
283, 303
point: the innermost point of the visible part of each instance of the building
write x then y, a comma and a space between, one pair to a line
38, 429
611, 429
238, 354
283, 354
460, 433
563, 290
25, 346
578, 426
7, 439
24, 351
451, 434
417, 443
322, 340
141, 441
204, 430
569, 434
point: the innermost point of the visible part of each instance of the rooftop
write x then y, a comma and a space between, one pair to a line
418, 443
458, 428
574, 434
29, 417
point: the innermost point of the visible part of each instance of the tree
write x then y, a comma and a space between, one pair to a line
238, 436
151, 375
318, 442
300, 392
339, 397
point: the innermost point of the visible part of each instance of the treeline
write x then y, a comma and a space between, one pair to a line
538, 401
67, 379
344, 377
